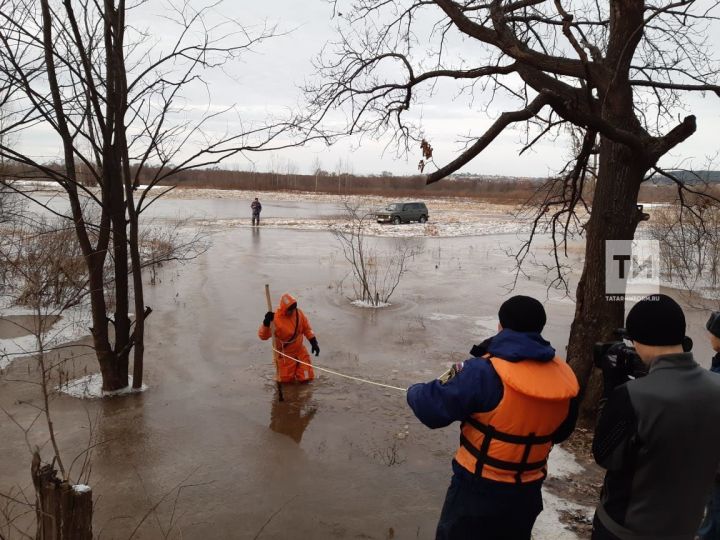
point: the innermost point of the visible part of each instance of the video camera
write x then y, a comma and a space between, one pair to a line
617, 355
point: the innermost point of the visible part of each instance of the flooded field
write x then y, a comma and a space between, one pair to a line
210, 446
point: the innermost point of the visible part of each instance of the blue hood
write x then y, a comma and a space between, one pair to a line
514, 346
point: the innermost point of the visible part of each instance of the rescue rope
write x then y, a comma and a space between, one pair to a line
358, 379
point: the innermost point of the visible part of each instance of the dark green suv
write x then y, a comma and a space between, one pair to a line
403, 213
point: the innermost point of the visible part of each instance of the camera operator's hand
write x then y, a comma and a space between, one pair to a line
614, 368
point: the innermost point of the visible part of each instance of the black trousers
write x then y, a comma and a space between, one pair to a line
480, 509
599, 532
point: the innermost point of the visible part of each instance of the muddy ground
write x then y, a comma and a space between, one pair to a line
337, 459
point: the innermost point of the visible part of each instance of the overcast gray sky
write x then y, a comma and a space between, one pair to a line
266, 81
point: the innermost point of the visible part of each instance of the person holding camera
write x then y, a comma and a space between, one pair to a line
657, 434
710, 528
515, 399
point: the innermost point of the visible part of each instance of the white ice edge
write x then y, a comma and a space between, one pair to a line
472, 227
81, 488
90, 387
367, 304
74, 323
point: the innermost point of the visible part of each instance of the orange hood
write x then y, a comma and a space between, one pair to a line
286, 301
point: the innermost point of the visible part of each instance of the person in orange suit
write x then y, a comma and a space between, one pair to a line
291, 325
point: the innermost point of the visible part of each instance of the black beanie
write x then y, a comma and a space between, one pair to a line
713, 324
522, 314
656, 320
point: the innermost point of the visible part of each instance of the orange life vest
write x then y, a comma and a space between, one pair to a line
512, 442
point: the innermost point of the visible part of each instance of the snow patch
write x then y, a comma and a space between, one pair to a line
471, 226
48, 185
90, 387
548, 525
561, 464
441, 317
369, 305
655, 205
81, 488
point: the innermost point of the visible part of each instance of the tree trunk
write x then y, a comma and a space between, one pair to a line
63, 513
614, 217
112, 376
138, 335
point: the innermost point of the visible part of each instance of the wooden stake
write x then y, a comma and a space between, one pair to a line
276, 358
62, 512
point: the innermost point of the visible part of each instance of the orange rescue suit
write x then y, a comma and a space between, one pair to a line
512, 442
289, 331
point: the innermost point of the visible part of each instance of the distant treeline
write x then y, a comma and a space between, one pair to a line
500, 189
688, 177
504, 190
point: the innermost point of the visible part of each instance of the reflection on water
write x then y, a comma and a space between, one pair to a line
292, 416
123, 418
255, 236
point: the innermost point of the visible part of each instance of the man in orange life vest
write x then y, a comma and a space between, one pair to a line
291, 325
515, 399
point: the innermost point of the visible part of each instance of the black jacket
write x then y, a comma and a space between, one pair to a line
658, 439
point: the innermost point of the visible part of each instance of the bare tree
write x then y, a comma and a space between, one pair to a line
375, 274
9, 203
114, 97
689, 237
45, 274
316, 170
343, 171
615, 70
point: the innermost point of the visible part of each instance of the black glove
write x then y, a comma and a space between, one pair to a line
269, 316
314, 347
478, 351
614, 370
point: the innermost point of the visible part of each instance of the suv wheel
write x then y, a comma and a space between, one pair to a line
423, 219
396, 220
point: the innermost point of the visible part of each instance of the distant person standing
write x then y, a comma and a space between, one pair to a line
710, 528
256, 208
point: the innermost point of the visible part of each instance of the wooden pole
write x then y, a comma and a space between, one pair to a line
276, 359
63, 512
